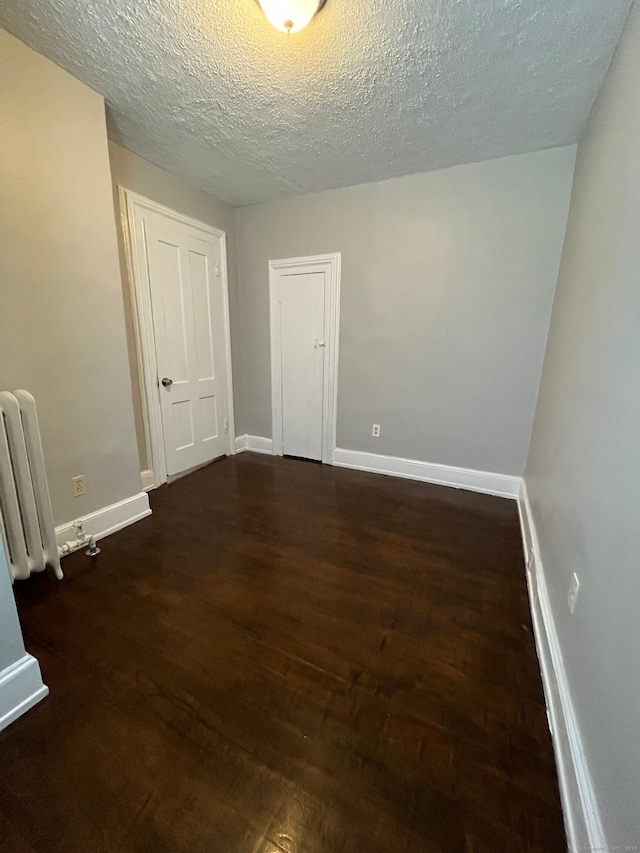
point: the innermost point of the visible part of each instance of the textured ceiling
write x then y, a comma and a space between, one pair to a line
370, 89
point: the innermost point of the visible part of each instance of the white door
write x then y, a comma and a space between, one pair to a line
304, 308
303, 347
183, 266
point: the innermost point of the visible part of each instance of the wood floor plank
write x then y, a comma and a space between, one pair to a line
287, 658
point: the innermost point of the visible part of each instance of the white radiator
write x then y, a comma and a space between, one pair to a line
26, 520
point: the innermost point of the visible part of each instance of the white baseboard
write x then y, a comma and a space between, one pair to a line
255, 443
147, 480
503, 485
21, 688
579, 803
109, 519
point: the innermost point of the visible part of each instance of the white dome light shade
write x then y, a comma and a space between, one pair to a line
290, 16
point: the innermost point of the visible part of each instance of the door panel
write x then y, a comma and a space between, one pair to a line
203, 315
209, 418
188, 316
165, 261
182, 420
302, 326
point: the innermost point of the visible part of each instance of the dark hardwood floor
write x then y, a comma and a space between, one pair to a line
287, 658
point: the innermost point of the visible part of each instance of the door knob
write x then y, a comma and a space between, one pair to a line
320, 344
167, 382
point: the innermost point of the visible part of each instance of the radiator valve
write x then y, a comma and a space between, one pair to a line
92, 550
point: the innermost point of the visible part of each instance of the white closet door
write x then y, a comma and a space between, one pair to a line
188, 317
302, 326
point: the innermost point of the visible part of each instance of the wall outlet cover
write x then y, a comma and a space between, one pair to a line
375, 432
78, 485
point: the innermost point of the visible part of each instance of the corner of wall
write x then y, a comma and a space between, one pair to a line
237, 330
579, 803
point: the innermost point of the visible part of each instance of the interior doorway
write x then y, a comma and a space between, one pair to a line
178, 276
305, 319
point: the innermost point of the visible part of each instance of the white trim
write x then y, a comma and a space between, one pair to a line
503, 485
21, 688
332, 265
130, 204
255, 443
579, 803
107, 520
147, 480
226, 320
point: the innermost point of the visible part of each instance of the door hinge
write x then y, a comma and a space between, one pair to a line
217, 271
226, 426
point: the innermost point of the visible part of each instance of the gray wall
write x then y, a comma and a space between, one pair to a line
447, 286
583, 473
62, 333
142, 177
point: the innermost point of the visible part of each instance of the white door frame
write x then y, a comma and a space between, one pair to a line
331, 265
131, 204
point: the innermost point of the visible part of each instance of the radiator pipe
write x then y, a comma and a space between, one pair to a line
82, 539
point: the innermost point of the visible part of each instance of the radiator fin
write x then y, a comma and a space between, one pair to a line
25, 507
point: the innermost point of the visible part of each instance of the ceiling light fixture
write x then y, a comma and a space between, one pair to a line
290, 16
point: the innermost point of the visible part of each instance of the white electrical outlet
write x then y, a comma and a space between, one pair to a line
574, 586
375, 432
78, 485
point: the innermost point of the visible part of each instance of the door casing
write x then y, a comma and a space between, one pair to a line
330, 264
132, 208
